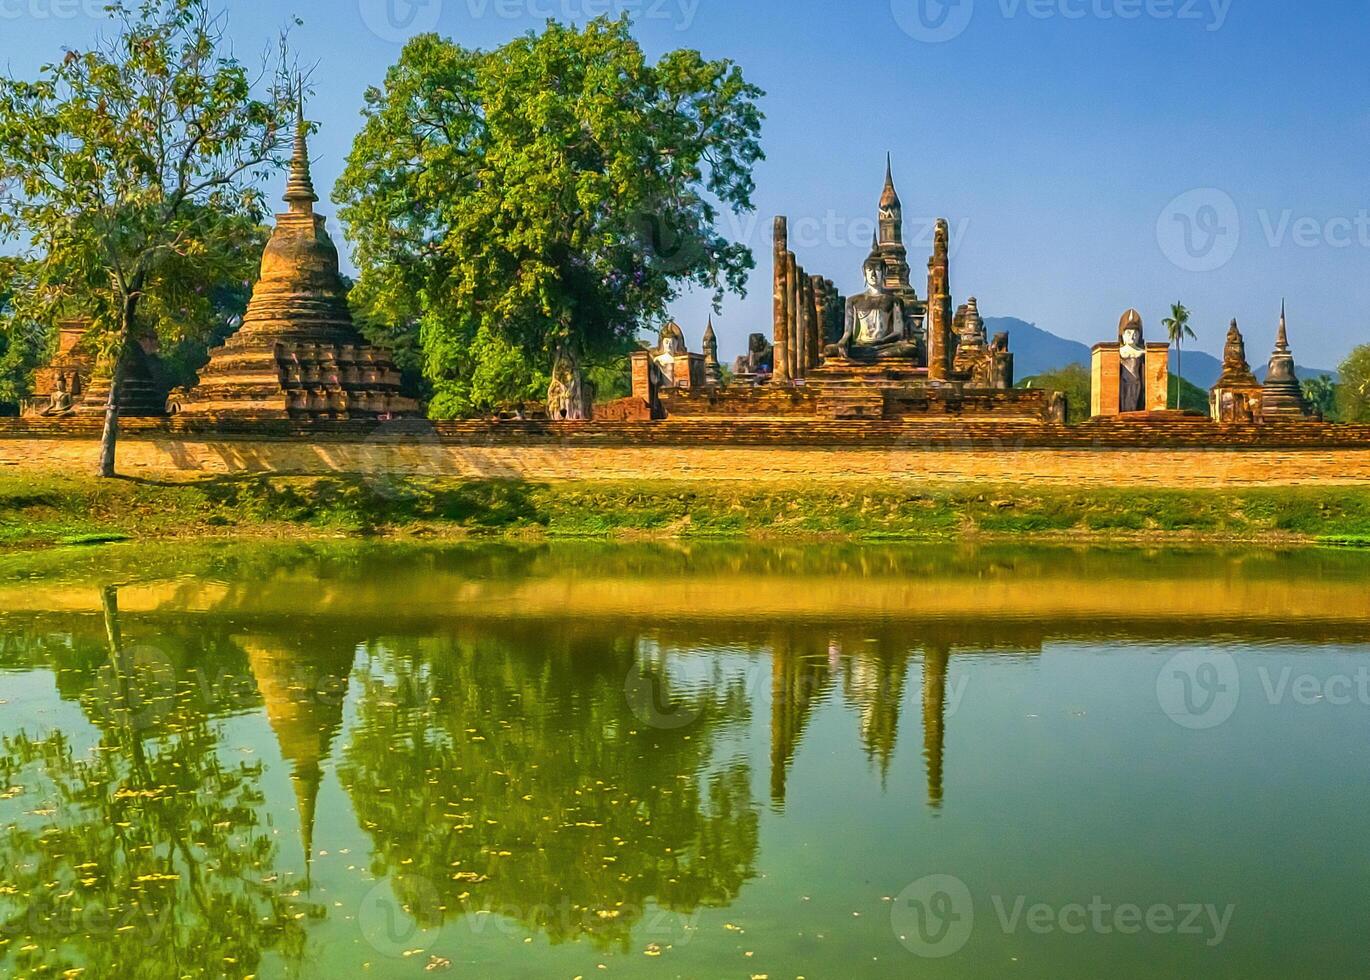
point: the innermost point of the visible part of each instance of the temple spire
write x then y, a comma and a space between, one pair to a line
1282, 339
889, 197
299, 190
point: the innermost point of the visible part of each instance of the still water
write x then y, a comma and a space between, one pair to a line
654, 761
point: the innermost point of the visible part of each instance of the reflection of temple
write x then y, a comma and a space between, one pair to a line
801, 677
304, 692
298, 353
873, 673
935, 662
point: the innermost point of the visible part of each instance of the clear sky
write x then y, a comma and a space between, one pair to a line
1090, 155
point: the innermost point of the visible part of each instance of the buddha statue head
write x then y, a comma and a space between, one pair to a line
672, 343
874, 272
1131, 335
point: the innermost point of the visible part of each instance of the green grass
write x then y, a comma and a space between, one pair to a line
49, 510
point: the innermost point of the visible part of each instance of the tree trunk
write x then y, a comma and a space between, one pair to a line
110, 437
1179, 375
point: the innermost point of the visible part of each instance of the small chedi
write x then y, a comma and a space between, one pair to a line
298, 354
1237, 397
75, 383
1130, 376
1283, 398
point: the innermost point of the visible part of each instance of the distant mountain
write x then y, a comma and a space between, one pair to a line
1036, 351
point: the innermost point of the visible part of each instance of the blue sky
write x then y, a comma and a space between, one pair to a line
1090, 155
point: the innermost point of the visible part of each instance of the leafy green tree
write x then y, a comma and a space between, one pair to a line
1353, 394
1321, 393
137, 166
22, 342
560, 188
1177, 328
1074, 382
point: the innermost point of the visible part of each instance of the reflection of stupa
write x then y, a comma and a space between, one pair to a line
304, 694
298, 353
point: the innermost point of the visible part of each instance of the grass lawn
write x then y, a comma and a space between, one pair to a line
37, 511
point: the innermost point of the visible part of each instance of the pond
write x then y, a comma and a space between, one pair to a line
300, 760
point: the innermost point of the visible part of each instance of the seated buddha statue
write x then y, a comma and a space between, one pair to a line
61, 401
877, 323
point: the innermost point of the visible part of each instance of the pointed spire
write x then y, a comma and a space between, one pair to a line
1282, 339
890, 197
306, 780
709, 335
299, 190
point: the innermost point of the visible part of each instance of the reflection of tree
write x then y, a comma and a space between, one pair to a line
511, 775
149, 856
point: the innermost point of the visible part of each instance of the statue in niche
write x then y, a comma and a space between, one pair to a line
1132, 363
61, 401
877, 325
568, 398
671, 356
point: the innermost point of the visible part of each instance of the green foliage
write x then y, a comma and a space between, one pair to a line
134, 169
1186, 396
558, 188
1353, 393
1074, 382
22, 342
1321, 393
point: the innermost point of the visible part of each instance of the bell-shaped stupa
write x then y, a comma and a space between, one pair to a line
1283, 393
298, 354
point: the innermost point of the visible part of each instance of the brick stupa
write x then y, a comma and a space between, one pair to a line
298, 355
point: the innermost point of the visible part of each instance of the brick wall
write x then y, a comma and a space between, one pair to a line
1119, 454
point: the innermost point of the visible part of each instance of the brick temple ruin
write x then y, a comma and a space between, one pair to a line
884, 354
872, 369
298, 354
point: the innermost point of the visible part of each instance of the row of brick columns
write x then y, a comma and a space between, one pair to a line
802, 307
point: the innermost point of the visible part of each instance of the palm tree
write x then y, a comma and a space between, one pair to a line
1178, 329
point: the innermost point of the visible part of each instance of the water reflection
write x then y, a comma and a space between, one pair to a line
558, 737
142, 849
